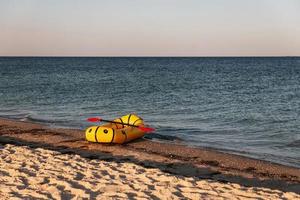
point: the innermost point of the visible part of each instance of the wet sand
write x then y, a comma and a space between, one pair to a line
195, 168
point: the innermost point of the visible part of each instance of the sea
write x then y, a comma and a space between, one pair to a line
248, 106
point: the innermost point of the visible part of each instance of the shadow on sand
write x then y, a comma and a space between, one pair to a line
178, 169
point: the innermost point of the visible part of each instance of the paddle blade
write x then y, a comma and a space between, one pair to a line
146, 129
94, 119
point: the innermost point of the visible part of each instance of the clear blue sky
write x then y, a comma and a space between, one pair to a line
150, 27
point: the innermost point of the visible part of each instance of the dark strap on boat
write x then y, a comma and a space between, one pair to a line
136, 121
124, 133
122, 122
96, 133
129, 119
112, 139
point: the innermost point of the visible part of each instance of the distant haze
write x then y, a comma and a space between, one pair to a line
150, 28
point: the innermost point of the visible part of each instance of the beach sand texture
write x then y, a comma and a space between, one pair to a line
27, 173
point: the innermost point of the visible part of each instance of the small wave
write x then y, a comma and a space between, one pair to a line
281, 121
162, 137
294, 144
176, 129
7, 110
17, 116
169, 133
248, 121
40, 120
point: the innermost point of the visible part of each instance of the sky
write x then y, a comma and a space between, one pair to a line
150, 28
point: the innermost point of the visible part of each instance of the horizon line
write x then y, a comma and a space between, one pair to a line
149, 56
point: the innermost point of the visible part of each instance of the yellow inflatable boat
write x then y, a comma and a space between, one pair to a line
116, 133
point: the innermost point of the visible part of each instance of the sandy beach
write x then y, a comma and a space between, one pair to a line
44, 174
41, 162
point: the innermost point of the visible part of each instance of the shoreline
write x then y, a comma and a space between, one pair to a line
179, 142
170, 158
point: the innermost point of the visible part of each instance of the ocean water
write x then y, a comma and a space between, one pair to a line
247, 106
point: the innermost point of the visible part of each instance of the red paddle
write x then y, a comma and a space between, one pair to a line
144, 129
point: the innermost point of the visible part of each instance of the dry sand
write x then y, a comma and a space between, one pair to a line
27, 173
